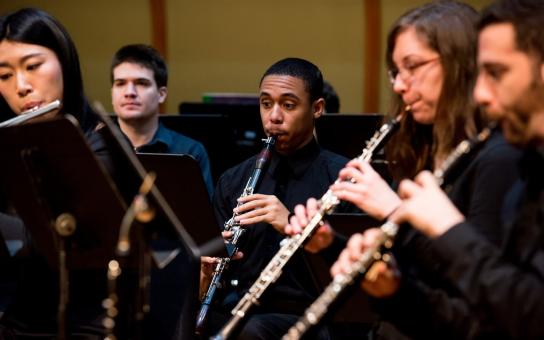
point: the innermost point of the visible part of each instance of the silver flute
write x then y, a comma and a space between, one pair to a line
32, 113
290, 245
237, 232
315, 312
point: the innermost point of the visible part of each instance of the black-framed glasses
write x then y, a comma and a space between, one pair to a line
408, 72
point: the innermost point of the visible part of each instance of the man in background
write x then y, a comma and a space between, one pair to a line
139, 85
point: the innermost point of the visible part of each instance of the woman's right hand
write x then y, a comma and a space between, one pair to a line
361, 185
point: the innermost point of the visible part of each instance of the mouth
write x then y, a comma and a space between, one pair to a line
275, 133
131, 105
31, 106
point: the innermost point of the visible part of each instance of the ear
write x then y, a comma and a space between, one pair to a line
318, 107
542, 72
163, 92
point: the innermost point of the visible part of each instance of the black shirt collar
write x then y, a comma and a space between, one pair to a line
299, 161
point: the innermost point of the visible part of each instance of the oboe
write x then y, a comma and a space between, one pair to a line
290, 245
319, 308
237, 232
29, 114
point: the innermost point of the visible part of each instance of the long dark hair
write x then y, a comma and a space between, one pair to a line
448, 27
34, 26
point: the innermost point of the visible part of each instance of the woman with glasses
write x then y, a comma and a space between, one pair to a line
431, 56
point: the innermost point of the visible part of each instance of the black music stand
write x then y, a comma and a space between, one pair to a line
179, 179
54, 182
228, 139
346, 134
175, 279
348, 224
50, 171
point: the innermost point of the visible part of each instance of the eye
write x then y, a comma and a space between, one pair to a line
266, 104
289, 106
495, 72
5, 76
33, 66
411, 66
143, 82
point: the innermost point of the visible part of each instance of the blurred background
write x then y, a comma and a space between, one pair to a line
225, 46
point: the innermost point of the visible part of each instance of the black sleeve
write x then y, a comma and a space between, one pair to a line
511, 294
421, 312
494, 175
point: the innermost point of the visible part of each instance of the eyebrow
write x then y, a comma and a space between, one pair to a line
283, 95
23, 59
132, 79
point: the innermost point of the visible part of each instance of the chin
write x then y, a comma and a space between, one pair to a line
514, 136
130, 115
423, 118
282, 148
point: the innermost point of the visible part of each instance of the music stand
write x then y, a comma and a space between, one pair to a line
179, 179
179, 273
348, 224
228, 139
49, 170
215, 132
346, 134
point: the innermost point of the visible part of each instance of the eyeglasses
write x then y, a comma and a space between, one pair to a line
408, 72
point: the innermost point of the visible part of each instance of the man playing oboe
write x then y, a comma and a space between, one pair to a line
290, 100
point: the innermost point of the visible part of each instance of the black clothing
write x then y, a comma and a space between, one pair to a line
307, 173
427, 306
506, 286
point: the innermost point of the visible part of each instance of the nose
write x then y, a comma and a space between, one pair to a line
23, 85
276, 114
483, 95
130, 90
399, 85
